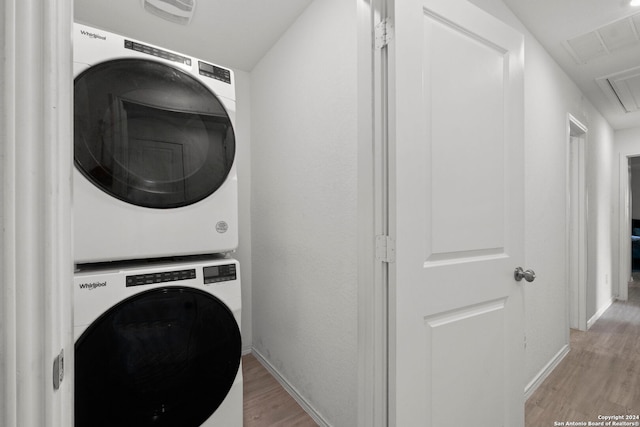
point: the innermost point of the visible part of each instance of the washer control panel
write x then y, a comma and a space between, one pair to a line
219, 273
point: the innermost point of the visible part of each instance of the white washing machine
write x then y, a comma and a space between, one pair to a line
158, 344
154, 150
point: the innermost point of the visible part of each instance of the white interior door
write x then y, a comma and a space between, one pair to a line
456, 332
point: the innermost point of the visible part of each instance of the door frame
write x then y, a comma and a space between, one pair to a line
373, 209
624, 226
577, 134
36, 260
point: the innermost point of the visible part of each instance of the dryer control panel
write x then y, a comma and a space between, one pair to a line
160, 277
211, 274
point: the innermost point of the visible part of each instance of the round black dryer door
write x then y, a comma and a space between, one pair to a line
150, 134
165, 357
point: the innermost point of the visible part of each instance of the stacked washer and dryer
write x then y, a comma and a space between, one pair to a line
157, 300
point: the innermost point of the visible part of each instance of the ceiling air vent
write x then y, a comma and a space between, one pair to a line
178, 11
624, 88
605, 40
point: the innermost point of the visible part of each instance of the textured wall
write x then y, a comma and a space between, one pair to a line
549, 96
304, 183
601, 238
243, 162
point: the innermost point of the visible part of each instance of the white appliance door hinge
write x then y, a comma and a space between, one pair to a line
383, 33
385, 249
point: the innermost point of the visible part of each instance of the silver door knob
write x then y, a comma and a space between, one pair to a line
528, 275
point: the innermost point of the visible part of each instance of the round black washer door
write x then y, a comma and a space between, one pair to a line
165, 357
150, 134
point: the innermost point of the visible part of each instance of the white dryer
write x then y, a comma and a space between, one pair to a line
158, 344
154, 150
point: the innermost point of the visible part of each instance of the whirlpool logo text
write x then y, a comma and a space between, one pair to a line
93, 285
93, 35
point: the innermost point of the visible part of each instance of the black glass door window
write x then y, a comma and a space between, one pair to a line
165, 357
150, 134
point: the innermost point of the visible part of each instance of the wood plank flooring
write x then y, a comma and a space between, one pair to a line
266, 402
599, 376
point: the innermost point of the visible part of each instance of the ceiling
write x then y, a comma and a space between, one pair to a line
234, 34
597, 43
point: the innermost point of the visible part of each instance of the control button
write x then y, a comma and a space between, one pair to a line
159, 277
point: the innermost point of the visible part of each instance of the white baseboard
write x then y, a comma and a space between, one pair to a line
545, 372
306, 406
245, 350
599, 314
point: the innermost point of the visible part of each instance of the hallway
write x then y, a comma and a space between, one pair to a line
601, 374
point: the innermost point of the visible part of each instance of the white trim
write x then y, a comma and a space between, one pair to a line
577, 286
583, 128
599, 313
546, 371
372, 220
35, 232
304, 403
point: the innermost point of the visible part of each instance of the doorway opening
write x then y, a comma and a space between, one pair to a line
629, 166
577, 225
634, 214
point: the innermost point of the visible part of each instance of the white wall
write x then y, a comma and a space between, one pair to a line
601, 237
303, 208
243, 161
549, 96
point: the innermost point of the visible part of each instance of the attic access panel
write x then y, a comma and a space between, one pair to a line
624, 88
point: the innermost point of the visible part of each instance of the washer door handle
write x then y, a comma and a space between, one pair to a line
528, 275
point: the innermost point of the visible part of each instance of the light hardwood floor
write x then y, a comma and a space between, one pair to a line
599, 376
266, 402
